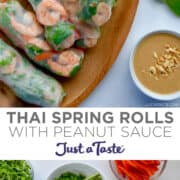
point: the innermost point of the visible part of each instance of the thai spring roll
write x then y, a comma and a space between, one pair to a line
59, 33
96, 12
25, 32
61, 36
89, 34
28, 83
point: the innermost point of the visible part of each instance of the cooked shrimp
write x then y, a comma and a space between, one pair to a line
3, 4
85, 30
50, 12
68, 42
72, 6
89, 33
37, 41
29, 25
103, 14
66, 62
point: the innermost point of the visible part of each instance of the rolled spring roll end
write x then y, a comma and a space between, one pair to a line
103, 14
67, 63
49, 12
61, 36
29, 84
95, 11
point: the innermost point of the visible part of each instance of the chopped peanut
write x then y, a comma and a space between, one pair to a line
165, 64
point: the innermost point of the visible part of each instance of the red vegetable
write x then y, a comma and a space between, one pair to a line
44, 56
137, 170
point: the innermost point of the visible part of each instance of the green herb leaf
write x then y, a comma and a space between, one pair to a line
15, 170
94, 177
70, 176
7, 60
33, 50
57, 34
174, 5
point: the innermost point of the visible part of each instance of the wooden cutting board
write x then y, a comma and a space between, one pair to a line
97, 61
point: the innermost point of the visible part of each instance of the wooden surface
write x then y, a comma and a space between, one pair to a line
97, 61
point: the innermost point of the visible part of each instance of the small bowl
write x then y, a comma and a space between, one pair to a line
77, 168
32, 171
156, 176
145, 90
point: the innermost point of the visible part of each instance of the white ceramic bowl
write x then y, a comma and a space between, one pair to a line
145, 90
32, 171
77, 168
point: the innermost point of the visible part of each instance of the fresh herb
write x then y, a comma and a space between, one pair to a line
15, 170
33, 50
75, 70
7, 60
94, 177
89, 9
114, 2
57, 34
71, 176
174, 5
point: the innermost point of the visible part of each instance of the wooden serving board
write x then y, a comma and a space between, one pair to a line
97, 60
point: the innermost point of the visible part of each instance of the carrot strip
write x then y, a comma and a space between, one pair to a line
26, 38
44, 56
137, 170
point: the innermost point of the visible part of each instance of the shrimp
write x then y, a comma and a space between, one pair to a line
37, 41
72, 6
66, 62
68, 42
88, 33
29, 25
50, 12
3, 4
85, 30
103, 14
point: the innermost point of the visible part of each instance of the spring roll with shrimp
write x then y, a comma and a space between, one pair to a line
59, 33
96, 12
61, 36
26, 33
28, 83
89, 34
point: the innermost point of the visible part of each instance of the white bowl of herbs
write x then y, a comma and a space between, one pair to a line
76, 171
